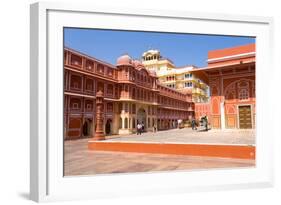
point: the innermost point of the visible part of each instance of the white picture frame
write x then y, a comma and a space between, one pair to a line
46, 139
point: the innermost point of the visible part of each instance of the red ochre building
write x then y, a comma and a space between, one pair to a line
230, 74
103, 99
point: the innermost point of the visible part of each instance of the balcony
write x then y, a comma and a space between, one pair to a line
196, 91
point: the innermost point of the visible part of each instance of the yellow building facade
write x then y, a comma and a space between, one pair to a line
179, 78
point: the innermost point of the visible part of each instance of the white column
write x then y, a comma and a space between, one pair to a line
123, 122
222, 115
131, 123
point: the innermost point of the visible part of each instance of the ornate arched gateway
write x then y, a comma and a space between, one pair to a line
141, 117
240, 115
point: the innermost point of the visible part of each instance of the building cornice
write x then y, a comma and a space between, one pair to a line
232, 57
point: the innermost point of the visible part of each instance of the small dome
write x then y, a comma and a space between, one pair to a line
124, 60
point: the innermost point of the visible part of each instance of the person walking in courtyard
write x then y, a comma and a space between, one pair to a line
179, 123
193, 124
154, 128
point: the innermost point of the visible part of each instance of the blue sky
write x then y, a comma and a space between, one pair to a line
182, 49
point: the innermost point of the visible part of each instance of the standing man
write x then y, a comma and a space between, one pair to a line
179, 123
193, 124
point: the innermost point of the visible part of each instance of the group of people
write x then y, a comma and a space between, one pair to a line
203, 122
140, 128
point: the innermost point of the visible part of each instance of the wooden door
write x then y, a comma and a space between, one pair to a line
245, 117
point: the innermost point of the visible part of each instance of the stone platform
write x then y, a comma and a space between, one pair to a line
213, 143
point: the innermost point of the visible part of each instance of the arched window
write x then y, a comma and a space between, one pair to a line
126, 123
120, 123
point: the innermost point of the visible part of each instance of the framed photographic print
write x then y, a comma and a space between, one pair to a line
128, 102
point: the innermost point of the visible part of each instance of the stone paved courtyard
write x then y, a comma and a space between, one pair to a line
187, 135
78, 160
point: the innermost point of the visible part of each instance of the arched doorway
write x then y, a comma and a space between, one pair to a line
108, 127
159, 124
141, 117
87, 128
